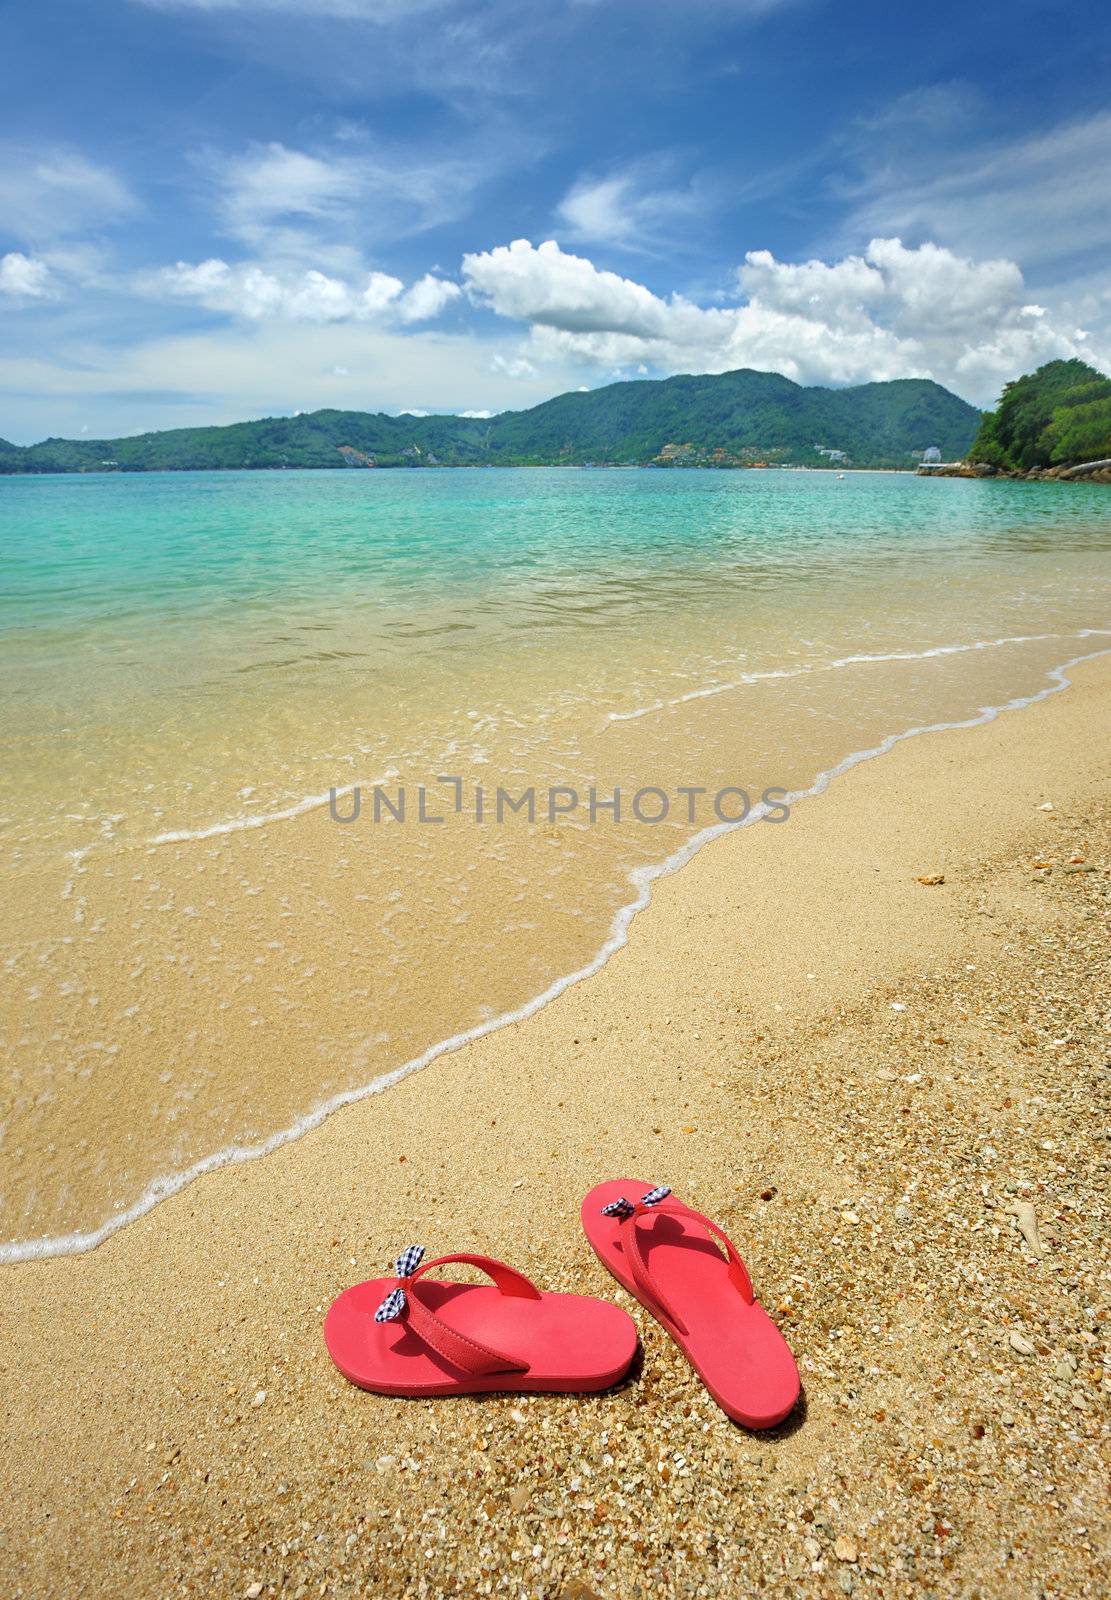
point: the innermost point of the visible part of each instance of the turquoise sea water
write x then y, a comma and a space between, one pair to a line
182, 550
189, 662
115, 587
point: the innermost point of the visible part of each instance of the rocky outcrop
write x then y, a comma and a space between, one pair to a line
1084, 472
1100, 470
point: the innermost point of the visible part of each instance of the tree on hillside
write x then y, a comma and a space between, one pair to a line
1057, 416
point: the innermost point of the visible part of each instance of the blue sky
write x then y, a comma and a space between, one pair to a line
214, 209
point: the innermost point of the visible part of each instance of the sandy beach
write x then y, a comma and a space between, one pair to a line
858, 1074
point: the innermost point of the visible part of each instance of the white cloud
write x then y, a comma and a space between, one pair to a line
892, 312
544, 284
502, 64
24, 277
1038, 199
48, 195
598, 210
479, 416
257, 369
426, 298
380, 11
268, 186
254, 291
512, 366
636, 209
387, 11
251, 291
300, 205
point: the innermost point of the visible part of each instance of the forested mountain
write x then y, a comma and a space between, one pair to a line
728, 419
1056, 416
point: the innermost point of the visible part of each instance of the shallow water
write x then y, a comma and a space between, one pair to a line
198, 956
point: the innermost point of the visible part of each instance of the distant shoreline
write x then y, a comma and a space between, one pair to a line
467, 466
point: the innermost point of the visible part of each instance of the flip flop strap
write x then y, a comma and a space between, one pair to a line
642, 1275
463, 1351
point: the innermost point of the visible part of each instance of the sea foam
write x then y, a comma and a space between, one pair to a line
641, 880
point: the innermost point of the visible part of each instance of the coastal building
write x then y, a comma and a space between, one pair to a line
932, 454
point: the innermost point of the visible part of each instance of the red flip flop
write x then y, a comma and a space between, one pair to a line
657, 1248
394, 1337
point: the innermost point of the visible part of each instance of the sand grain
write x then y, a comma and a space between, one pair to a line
747, 1049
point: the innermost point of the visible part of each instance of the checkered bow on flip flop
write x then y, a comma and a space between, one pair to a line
404, 1267
623, 1208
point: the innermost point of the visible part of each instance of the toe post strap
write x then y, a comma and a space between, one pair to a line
661, 1200
402, 1303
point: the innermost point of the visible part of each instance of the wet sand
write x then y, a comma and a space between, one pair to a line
173, 1423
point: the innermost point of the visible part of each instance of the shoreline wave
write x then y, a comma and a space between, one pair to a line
641, 880
844, 661
315, 802
260, 819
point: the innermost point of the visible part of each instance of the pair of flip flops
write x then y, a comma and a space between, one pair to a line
411, 1335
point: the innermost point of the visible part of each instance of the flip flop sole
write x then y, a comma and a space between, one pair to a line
572, 1343
734, 1347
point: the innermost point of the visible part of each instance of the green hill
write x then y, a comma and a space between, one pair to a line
729, 419
1059, 415
745, 415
